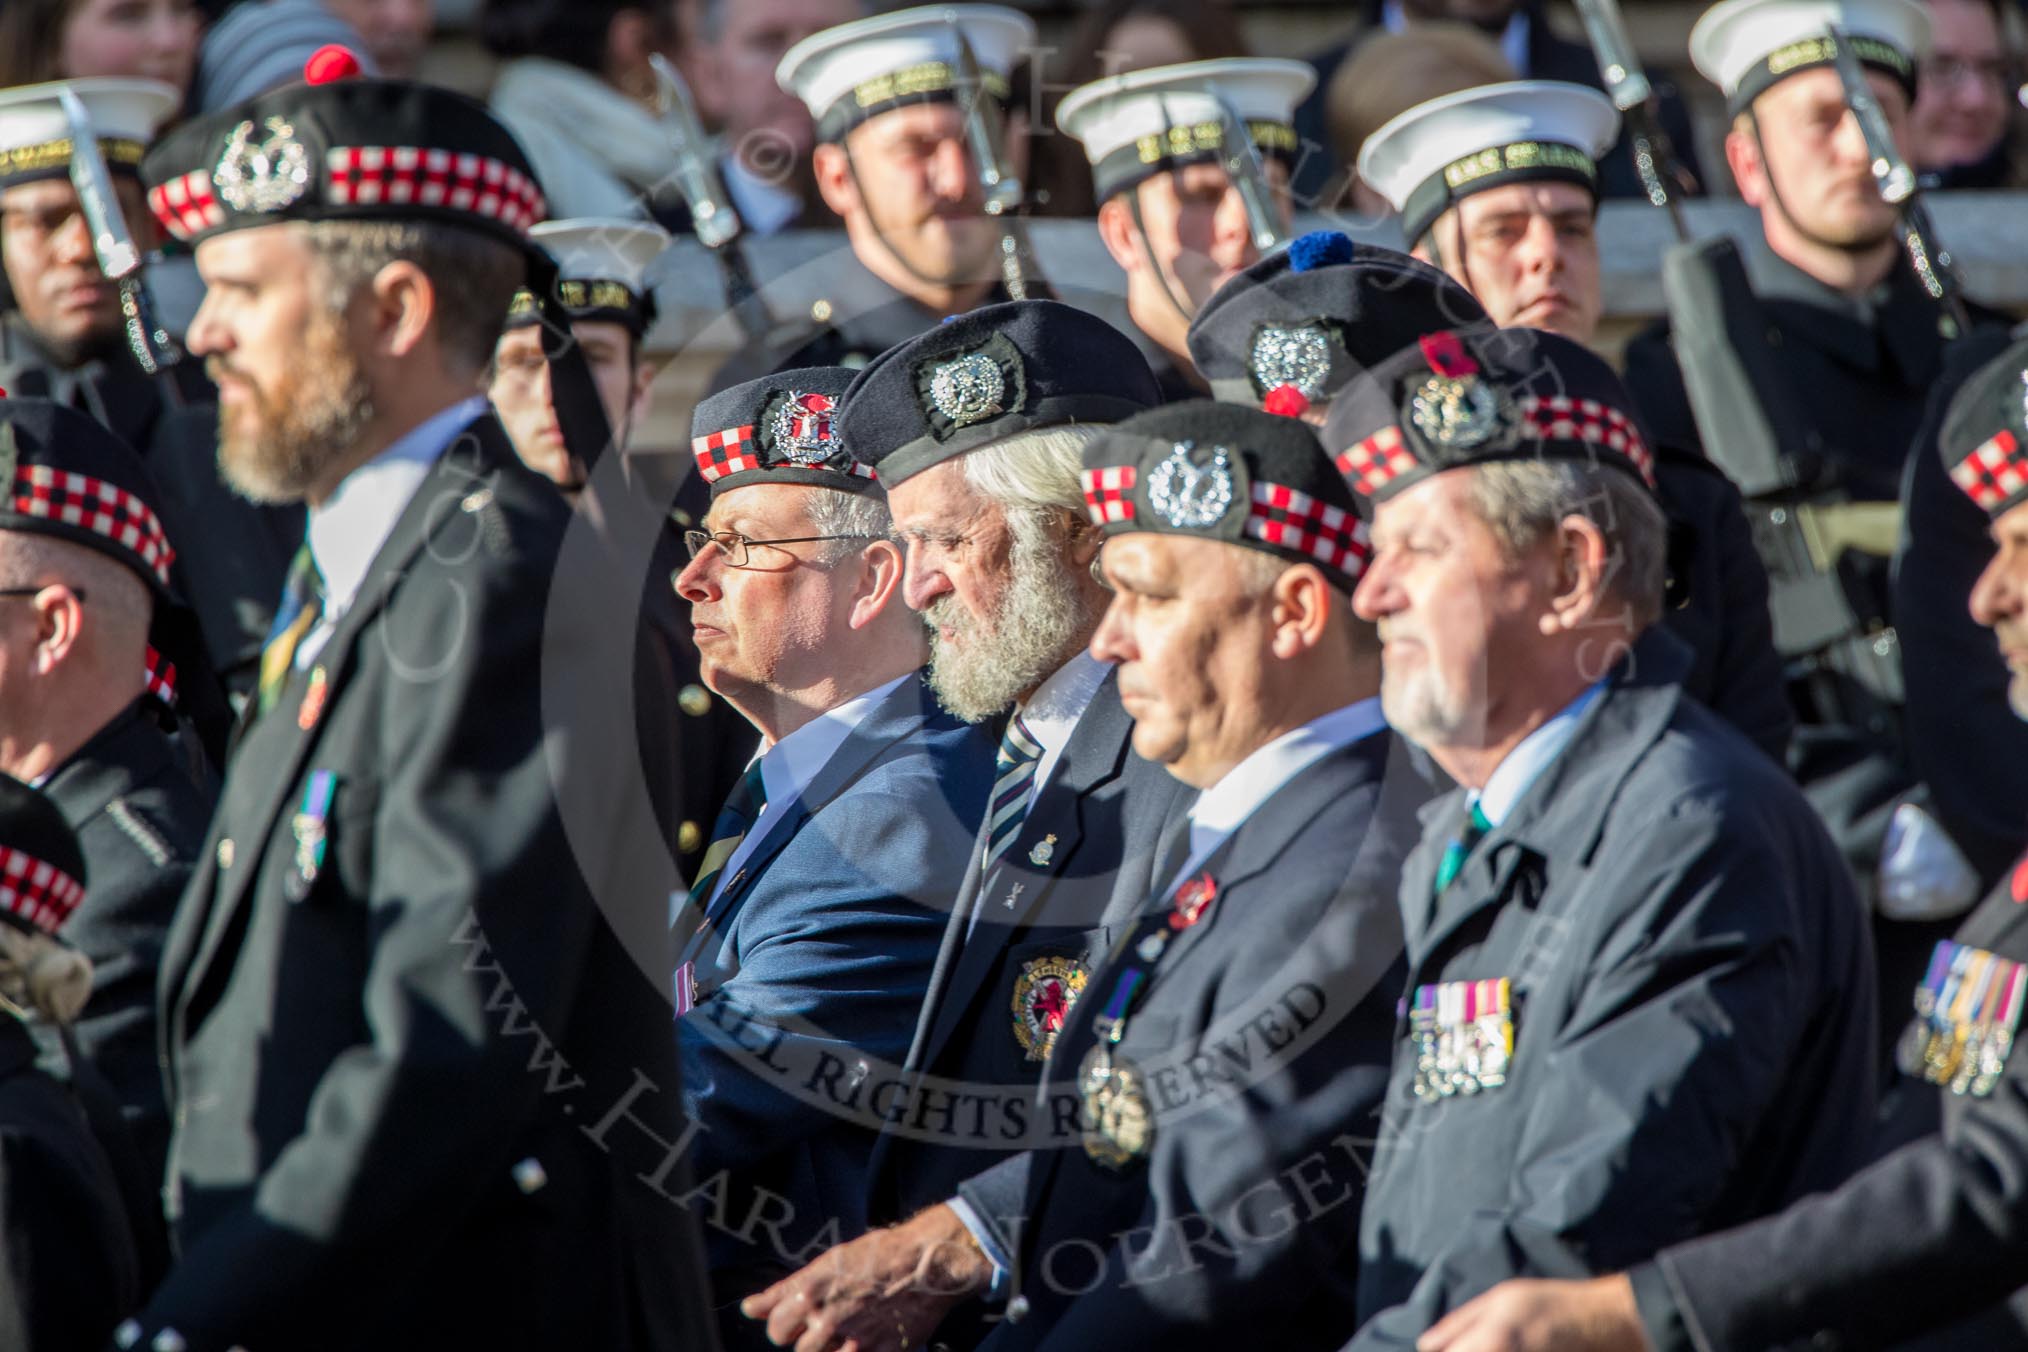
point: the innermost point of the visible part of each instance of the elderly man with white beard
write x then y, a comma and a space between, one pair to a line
977, 428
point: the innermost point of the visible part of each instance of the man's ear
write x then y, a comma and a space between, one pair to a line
1743, 158
1116, 229
59, 621
403, 303
833, 172
880, 574
1302, 603
1584, 567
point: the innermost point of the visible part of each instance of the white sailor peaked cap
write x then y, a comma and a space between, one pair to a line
1745, 46
35, 135
859, 69
1137, 124
1424, 161
603, 270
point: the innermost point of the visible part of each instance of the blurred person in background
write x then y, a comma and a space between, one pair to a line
1392, 73
576, 89
767, 135
1172, 218
1965, 123
69, 39
1531, 45
264, 45
396, 33
1111, 39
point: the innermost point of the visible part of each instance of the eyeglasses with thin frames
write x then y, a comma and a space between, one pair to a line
738, 549
37, 591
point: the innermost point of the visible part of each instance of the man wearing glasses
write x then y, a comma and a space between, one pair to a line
813, 921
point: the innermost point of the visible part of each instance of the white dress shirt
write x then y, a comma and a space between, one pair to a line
348, 528
1052, 712
788, 766
1224, 807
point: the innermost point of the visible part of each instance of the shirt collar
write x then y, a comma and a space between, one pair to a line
765, 207
1224, 806
789, 765
1512, 776
1052, 712
351, 525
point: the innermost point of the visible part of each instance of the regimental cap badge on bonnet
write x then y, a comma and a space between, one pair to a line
1455, 399
35, 135
1145, 122
353, 149
42, 869
604, 271
1223, 472
989, 374
1437, 153
1985, 435
1291, 330
780, 429
858, 70
1747, 46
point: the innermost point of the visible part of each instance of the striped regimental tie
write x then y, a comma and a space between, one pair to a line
1019, 755
749, 799
302, 605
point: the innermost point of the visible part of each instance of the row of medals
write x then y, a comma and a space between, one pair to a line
1461, 1058
1962, 1055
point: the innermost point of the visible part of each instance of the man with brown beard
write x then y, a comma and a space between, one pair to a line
425, 1087
977, 428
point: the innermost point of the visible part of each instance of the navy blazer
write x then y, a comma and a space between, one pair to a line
1263, 1034
808, 971
1078, 872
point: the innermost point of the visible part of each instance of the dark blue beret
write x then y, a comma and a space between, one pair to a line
1473, 397
1308, 318
784, 428
986, 375
1985, 433
1231, 473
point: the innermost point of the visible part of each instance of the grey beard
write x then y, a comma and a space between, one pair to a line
1040, 623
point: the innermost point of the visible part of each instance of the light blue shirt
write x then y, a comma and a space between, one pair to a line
348, 528
788, 766
1526, 762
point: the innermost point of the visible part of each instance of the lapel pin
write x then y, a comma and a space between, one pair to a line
1044, 849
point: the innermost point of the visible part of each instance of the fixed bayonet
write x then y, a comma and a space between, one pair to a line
119, 257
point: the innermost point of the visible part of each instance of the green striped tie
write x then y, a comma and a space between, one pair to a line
749, 799
1460, 847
